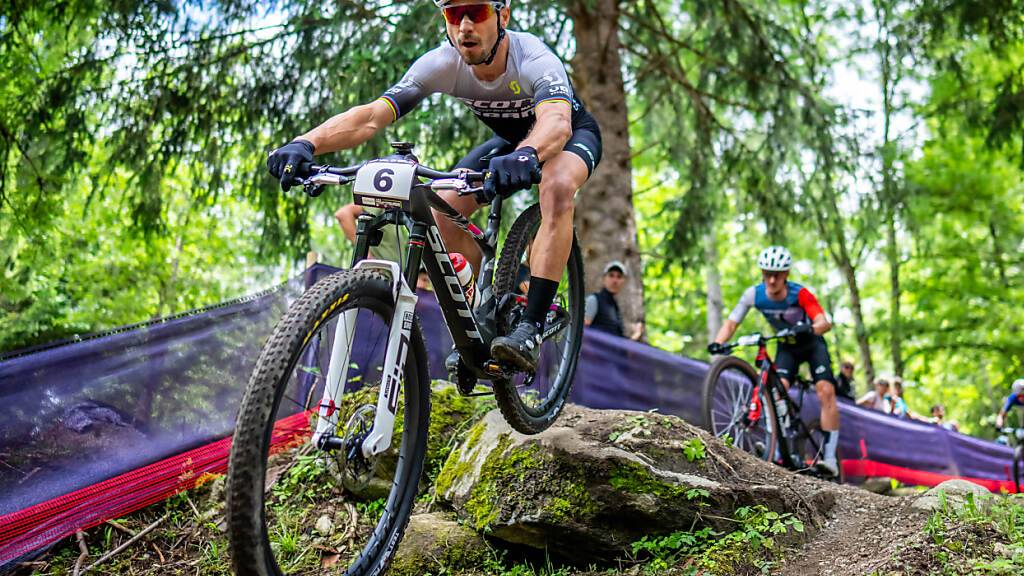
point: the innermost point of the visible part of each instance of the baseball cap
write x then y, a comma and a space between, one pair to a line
616, 264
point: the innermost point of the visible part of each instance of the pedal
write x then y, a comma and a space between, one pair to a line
492, 368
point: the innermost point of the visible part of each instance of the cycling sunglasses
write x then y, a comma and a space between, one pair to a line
477, 13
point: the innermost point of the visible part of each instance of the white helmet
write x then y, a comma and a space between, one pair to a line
775, 259
1018, 386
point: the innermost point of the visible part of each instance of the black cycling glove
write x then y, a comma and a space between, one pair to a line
715, 348
512, 173
286, 162
802, 328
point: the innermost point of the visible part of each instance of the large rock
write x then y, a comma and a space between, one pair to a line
599, 480
436, 544
953, 492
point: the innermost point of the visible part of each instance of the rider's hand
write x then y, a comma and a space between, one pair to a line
512, 172
802, 328
715, 349
284, 163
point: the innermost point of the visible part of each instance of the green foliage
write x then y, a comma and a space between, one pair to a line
753, 542
980, 536
694, 450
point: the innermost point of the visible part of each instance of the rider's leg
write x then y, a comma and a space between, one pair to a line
829, 407
829, 423
824, 385
563, 175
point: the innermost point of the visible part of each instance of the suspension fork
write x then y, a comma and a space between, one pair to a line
367, 235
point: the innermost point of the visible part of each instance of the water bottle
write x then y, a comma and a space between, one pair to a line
782, 411
464, 271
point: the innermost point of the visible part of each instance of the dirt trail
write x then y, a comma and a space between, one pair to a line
863, 533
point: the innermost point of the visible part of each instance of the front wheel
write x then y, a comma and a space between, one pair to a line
728, 395
531, 402
299, 507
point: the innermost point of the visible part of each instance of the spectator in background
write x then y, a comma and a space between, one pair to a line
846, 386
896, 404
601, 310
939, 418
875, 399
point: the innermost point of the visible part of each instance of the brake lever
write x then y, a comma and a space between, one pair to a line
313, 190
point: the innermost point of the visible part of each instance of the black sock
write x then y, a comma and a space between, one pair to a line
538, 300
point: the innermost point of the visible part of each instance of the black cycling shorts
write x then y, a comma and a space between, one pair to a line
814, 351
585, 142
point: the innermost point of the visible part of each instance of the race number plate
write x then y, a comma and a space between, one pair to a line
384, 184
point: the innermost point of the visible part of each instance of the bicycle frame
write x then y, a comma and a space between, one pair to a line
769, 378
425, 246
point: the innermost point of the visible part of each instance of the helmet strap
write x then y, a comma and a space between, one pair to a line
497, 43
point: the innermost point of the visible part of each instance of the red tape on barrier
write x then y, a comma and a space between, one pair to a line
871, 469
42, 524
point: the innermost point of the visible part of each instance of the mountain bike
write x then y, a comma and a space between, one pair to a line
753, 410
1014, 438
333, 426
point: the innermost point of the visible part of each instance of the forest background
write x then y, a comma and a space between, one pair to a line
880, 140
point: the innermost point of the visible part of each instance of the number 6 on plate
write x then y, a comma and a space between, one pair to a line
384, 184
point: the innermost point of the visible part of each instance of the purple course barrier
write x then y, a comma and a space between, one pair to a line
75, 414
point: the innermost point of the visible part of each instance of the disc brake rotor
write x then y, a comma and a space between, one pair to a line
357, 470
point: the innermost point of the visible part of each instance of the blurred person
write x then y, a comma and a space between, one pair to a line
897, 405
875, 399
846, 386
1014, 400
601, 309
939, 418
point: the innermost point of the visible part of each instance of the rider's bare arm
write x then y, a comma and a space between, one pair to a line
726, 331
552, 129
351, 128
820, 324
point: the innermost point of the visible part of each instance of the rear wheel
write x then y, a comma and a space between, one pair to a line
531, 402
293, 506
728, 393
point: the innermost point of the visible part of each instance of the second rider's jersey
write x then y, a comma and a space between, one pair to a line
1011, 401
800, 306
533, 77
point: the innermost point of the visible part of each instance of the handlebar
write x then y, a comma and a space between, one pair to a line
758, 339
461, 181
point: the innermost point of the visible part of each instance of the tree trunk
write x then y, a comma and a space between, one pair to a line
714, 284
604, 208
895, 320
850, 275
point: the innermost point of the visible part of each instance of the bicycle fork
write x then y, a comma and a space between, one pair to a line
379, 438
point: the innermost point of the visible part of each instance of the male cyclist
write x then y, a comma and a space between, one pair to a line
516, 86
788, 305
1016, 398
